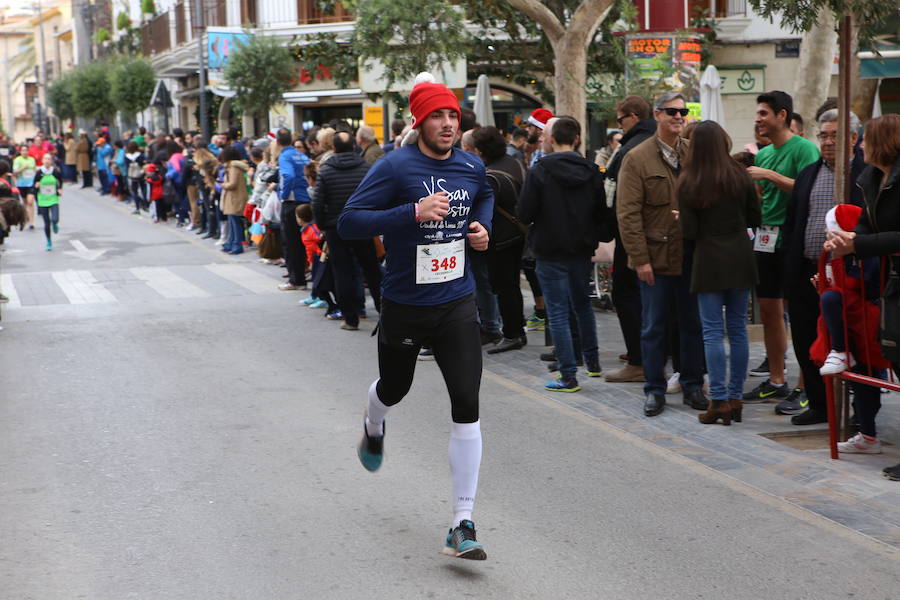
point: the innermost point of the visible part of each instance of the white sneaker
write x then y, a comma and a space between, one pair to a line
836, 362
673, 386
858, 445
220, 242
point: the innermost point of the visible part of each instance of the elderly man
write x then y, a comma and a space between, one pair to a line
646, 207
368, 143
804, 235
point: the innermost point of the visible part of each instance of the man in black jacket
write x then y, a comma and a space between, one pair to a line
338, 179
563, 196
633, 115
804, 235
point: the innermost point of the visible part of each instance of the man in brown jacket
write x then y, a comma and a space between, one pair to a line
646, 207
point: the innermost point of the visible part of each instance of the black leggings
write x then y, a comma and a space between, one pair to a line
51, 215
451, 330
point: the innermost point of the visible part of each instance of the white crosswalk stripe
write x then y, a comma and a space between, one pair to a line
244, 277
80, 287
167, 284
7, 287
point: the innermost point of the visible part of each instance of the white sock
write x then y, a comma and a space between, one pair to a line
465, 460
375, 412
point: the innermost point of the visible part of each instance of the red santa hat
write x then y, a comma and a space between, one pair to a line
539, 118
428, 96
842, 217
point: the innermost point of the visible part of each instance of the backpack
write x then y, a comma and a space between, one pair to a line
512, 229
135, 171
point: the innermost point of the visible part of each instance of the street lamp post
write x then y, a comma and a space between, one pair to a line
44, 123
198, 29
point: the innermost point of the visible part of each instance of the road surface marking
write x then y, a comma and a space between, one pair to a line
246, 278
80, 287
167, 284
7, 287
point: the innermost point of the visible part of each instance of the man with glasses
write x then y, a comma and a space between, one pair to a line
804, 235
633, 116
647, 212
777, 165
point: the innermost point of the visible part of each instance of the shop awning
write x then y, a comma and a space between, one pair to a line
886, 66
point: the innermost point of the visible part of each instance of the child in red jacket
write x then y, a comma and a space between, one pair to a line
155, 179
322, 280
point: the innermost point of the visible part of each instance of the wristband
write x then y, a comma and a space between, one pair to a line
417, 208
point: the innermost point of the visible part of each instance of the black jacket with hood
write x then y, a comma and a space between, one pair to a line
563, 196
337, 180
634, 136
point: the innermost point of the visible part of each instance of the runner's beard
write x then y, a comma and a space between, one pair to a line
533, 139
433, 144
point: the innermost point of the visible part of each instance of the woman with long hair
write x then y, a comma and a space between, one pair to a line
877, 234
718, 202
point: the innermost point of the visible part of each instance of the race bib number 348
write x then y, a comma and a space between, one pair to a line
437, 263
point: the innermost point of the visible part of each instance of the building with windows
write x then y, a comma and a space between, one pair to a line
22, 101
170, 40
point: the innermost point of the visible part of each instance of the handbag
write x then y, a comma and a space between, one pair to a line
270, 245
889, 326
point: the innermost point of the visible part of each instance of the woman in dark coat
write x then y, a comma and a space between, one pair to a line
877, 234
718, 203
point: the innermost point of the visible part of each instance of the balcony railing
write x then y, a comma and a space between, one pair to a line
731, 8
309, 12
181, 26
155, 35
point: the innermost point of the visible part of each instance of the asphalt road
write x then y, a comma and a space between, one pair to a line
173, 428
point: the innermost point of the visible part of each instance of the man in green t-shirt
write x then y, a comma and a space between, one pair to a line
777, 165
48, 187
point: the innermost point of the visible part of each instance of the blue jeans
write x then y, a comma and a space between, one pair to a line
655, 302
103, 175
485, 299
565, 284
235, 243
735, 302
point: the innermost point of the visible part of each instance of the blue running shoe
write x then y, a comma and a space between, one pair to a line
319, 304
336, 315
308, 300
55, 227
562, 385
49, 246
371, 450
461, 542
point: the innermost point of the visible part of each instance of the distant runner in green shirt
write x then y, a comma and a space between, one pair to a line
777, 165
48, 186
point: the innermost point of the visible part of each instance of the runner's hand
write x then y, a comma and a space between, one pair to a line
434, 207
478, 239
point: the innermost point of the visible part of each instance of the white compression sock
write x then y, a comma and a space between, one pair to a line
375, 412
465, 460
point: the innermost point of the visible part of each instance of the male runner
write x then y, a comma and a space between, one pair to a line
429, 200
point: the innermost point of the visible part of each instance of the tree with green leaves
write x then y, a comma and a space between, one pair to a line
815, 19
59, 97
131, 83
90, 91
259, 72
409, 37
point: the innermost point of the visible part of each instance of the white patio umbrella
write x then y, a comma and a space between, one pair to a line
711, 108
484, 112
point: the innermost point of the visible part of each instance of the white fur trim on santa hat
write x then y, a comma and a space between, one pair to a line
831, 223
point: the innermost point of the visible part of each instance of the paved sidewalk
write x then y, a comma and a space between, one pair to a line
850, 491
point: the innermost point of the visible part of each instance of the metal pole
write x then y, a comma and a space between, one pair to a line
844, 151
45, 121
204, 109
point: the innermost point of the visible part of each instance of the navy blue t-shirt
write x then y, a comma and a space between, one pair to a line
383, 205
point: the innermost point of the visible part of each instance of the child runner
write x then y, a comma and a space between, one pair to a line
431, 201
24, 167
48, 184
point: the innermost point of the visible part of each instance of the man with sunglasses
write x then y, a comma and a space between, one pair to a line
646, 208
633, 115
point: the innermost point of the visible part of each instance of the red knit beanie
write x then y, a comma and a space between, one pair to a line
426, 98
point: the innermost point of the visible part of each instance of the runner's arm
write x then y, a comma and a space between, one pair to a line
369, 211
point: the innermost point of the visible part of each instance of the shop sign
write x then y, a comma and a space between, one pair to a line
742, 80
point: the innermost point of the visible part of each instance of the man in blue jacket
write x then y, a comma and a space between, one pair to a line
292, 191
430, 201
